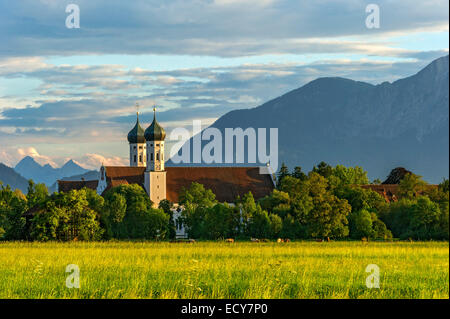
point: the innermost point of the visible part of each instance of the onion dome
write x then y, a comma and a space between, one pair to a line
136, 135
155, 132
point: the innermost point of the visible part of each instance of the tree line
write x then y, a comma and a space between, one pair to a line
326, 202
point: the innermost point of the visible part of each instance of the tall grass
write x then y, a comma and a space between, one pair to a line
221, 270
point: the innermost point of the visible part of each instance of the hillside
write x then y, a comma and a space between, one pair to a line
9, 177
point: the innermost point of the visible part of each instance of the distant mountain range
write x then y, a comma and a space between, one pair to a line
28, 168
378, 127
47, 174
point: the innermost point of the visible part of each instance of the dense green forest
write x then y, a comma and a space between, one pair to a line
325, 203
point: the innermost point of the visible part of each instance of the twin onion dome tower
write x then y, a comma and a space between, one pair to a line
147, 150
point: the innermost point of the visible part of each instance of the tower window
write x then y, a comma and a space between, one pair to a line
140, 147
134, 147
157, 156
140, 158
151, 156
135, 158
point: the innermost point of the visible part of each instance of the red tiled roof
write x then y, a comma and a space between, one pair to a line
226, 182
120, 175
66, 186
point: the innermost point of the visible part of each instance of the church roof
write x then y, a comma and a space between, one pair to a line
226, 182
66, 186
136, 135
155, 132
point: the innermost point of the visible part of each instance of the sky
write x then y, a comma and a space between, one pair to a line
71, 93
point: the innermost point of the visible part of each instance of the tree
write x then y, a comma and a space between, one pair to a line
221, 221
66, 216
276, 225
259, 225
411, 185
298, 173
196, 200
12, 206
424, 223
323, 169
114, 211
418, 218
360, 198
36, 194
129, 214
376, 181
328, 217
292, 228
247, 207
361, 224
283, 172
197, 195
350, 175
166, 206
299, 198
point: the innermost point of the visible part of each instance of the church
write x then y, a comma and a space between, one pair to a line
147, 169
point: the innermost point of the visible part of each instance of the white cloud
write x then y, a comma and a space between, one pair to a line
12, 155
94, 161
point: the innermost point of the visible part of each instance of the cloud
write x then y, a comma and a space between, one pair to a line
195, 93
206, 27
10, 156
94, 161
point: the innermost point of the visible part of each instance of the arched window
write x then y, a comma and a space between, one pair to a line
151, 156
157, 156
135, 158
140, 158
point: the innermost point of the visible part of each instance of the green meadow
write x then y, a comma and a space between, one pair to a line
224, 270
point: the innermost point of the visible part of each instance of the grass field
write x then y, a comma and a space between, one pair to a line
221, 270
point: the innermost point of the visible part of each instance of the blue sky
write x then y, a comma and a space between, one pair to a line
70, 93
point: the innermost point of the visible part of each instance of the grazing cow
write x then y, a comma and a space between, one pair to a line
287, 240
279, 240
191, 241
254, 240
319, 240
229, 240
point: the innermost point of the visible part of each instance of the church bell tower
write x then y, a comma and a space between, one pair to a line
155, 175
136, 139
